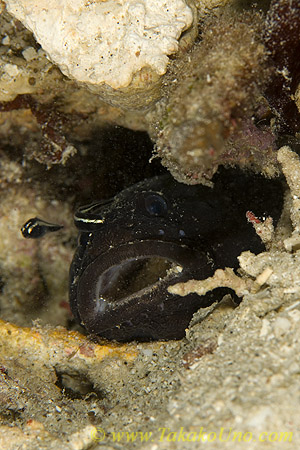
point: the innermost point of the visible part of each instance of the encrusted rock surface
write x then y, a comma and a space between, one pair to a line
105, 42
109, 45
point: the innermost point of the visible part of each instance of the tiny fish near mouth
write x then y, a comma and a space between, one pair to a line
157, 233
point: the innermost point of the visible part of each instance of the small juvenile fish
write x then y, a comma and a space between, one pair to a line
35, 228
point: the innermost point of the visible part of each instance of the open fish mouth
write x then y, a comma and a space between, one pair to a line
112, 288
134, 268
134, 276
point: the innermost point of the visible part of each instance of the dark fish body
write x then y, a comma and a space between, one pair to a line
157, 233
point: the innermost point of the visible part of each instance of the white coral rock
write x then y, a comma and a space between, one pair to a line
105, 41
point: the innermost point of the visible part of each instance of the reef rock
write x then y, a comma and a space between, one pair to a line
107, 45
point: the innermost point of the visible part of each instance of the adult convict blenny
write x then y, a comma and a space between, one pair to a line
154, 234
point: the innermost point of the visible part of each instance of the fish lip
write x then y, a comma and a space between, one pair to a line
183, 259
177, 252
100, 314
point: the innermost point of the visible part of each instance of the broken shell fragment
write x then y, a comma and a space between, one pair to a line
107, 45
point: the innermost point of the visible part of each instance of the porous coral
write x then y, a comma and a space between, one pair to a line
109, 45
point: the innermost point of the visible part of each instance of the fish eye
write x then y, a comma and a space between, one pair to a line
155, 205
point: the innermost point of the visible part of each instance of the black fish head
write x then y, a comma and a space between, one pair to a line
157, 208
150, 236
131, 248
